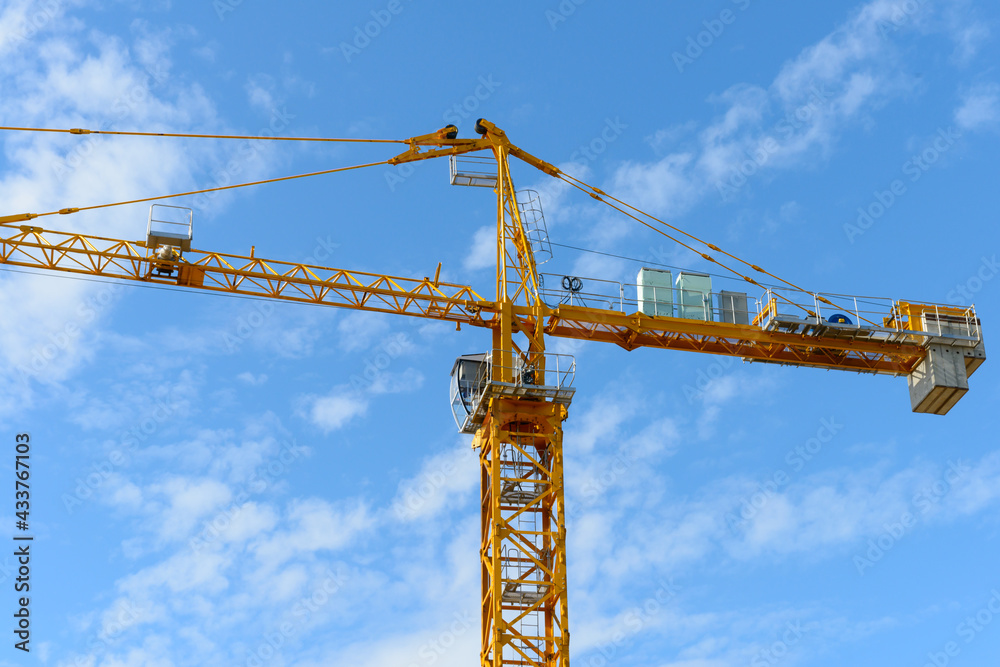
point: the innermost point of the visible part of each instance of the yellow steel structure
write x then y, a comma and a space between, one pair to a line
525, 620
523, 547
95, 256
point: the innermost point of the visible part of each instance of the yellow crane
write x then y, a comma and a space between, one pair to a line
514, 398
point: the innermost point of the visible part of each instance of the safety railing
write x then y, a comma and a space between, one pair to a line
869, 313
559, 371
551, 380
840, 309
557, 290
785, 309
473, 170
169, 226
936, 319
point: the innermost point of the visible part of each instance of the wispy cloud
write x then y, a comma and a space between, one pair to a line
335, 410
483, 253
980, 107
79, 78
838, 83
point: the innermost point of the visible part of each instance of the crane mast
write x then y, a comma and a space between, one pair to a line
525, 620
515, 397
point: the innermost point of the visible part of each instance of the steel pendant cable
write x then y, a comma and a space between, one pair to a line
80, 131
618, 204
24, 217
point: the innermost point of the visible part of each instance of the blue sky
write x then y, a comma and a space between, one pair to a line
219, 481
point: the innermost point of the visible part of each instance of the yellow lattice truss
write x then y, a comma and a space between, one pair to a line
101, 257
523, 551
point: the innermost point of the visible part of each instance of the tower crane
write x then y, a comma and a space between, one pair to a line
514, 398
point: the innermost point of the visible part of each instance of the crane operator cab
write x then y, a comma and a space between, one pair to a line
473, 385
168, 235
469, 377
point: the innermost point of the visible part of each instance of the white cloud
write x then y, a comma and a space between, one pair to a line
397, 383
554, 193
834, 510
597, 427
699, 663
247, 522
360, 330
665, 139
218, 585
185, 501
830, 60
260, 92
335, 410
859, 89
483, 253
977, 490
967, 32
183, 571
442, 479
128, 495
287, 583
715, 392
66, 77
980, 107
837, 81
829, 514
251, 379
664, 187
293, 335
312, 525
